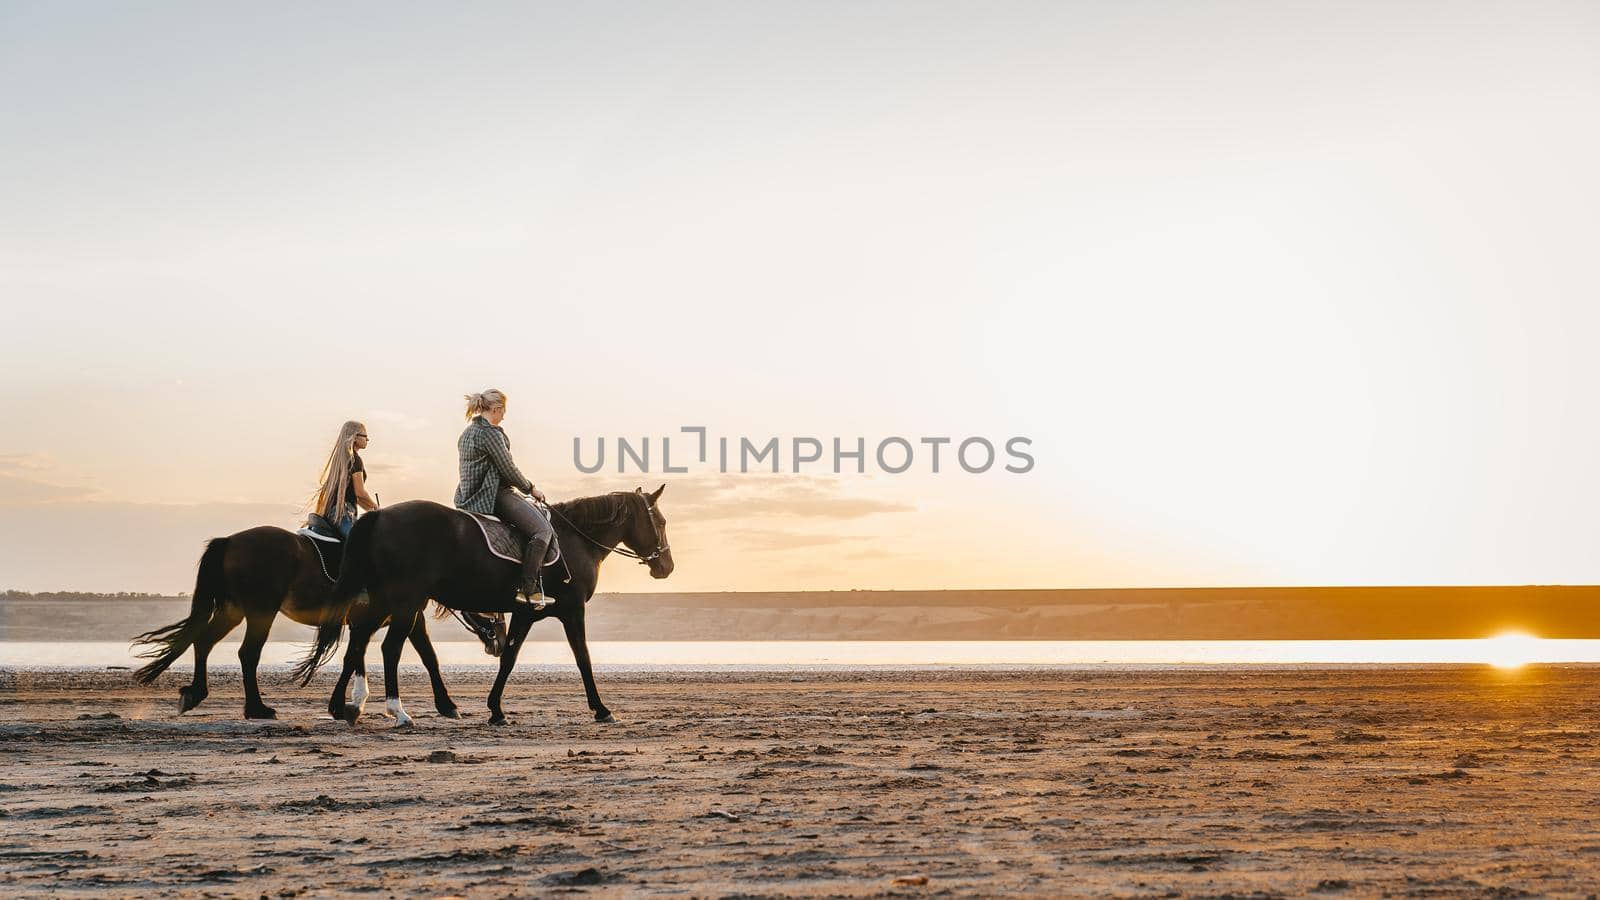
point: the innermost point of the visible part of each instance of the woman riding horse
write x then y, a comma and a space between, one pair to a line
342, 489
406, 554
487, 478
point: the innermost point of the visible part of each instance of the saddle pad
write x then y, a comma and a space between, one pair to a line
330, 552
503, 540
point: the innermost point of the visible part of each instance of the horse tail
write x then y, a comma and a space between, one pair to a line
353, 574
167, 644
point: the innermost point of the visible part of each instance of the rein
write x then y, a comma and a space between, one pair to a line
646, 559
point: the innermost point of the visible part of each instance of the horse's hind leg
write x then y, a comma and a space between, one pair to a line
430, 660
360, 685
222, 621
360, 636
255, 635
400, 626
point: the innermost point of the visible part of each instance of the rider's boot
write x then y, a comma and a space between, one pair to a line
532, 582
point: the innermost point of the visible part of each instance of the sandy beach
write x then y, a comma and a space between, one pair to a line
1167, 782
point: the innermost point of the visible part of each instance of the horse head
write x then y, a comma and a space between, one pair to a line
646, 534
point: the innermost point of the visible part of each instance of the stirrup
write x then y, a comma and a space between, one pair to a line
538, 601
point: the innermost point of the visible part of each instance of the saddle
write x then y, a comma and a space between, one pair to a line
320, 528
324, 538
503, 540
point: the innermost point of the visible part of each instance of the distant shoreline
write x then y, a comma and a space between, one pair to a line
1153, 614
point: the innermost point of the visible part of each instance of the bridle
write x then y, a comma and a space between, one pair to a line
644, 559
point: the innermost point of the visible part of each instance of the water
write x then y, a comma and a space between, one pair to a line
1508, 650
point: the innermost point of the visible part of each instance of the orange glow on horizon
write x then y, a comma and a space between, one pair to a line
1512, 649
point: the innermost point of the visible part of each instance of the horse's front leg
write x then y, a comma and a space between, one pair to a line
572, 621
521, 621
430, 660
354, 665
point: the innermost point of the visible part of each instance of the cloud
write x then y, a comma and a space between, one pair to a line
812, 572
402, 421
707, 498
29, 462
395, 466
93, 546
788, 540
18, 490
25, 480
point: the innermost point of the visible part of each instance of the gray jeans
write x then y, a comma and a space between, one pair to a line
520, 513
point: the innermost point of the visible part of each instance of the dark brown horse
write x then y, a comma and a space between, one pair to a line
405, 554
252, 576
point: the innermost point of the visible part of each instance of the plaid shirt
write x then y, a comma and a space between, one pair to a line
485, 465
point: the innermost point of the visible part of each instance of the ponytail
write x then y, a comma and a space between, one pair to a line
484, 401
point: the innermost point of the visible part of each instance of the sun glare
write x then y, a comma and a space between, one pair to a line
1510, 650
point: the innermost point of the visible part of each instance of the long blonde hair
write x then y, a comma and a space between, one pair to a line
484, 401
329, 501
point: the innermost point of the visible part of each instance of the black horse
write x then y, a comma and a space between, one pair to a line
252, 576
405, 554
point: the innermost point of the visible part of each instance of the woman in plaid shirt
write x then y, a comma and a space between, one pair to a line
488, 477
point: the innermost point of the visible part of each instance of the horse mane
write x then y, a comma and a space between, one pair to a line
589, 512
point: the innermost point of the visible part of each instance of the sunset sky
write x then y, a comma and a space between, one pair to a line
1283, 293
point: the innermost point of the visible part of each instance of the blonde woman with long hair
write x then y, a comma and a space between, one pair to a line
488, 477
343, 485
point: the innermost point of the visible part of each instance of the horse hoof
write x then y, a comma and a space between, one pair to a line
498, 719
265, 712
187, 700
350, 714
450, 713
604, 717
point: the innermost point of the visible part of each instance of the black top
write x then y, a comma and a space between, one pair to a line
356, 465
